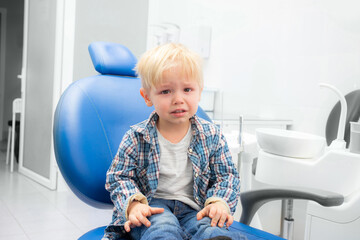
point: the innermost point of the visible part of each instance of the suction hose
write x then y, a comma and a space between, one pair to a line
339, 142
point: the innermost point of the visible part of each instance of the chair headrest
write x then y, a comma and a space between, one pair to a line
112, 58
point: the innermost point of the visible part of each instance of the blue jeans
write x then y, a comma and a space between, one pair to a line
178, 221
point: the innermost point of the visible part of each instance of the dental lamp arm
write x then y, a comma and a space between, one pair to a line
252, 200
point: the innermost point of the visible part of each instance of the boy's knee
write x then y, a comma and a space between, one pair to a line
163, 228
163, 218
206, 231
204, 222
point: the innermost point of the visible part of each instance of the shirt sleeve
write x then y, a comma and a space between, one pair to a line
121, 177
224, 178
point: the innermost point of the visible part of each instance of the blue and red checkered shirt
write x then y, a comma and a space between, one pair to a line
135, 167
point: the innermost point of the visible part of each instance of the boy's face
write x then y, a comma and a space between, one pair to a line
175, 99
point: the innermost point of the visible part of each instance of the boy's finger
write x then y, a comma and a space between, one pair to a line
222, 219
201, 214
144, 221
215, 217
230, 220
154, 210
214, 221
127, 226
134, 220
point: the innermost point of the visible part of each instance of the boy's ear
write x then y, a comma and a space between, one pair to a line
146, 97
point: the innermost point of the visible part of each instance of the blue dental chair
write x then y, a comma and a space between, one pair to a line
90, 120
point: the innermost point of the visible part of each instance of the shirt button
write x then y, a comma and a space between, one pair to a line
190, 150
196, 198
196, 174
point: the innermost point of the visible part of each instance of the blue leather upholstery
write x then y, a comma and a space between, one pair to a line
90, 120
95, 234
108, 58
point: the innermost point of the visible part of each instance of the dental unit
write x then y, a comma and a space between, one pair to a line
295, 159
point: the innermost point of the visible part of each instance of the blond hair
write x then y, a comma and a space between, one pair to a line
156, 61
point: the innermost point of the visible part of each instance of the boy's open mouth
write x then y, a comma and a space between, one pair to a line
178, 111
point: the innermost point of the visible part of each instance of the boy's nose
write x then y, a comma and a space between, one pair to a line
177, 99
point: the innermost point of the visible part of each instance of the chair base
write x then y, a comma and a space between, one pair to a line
250, 232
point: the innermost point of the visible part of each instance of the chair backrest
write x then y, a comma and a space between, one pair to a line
91, 118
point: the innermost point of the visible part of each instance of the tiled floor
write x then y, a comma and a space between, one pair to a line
31, 211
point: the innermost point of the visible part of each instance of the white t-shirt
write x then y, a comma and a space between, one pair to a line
176, 179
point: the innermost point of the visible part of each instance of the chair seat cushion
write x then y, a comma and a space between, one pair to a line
252, 233
96, 233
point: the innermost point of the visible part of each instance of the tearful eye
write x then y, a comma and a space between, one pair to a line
187, 89
165, 92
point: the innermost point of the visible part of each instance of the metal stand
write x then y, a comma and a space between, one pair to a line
287, 224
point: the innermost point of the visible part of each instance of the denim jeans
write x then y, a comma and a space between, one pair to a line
178, 221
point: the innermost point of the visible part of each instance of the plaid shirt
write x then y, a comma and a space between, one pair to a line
135, 167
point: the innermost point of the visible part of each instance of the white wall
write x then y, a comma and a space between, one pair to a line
269, 56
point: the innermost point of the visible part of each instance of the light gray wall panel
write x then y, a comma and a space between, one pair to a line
39, 86
117, 21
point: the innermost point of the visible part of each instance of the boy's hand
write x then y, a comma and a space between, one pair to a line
218, 214
138, 213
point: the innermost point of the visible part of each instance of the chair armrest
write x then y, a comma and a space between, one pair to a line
252, 200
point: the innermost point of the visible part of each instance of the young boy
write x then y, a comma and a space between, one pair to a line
173, 177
